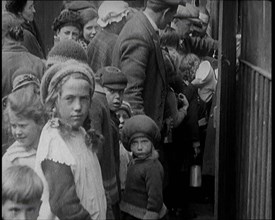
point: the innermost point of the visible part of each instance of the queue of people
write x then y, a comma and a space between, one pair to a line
108, 123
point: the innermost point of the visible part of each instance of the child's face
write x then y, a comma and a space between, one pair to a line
19, 211
74, 101
25, 131
141, 147
114, 98
122, 116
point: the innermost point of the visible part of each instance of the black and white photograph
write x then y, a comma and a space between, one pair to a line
136, 110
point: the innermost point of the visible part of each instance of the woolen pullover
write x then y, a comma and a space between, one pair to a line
143, 190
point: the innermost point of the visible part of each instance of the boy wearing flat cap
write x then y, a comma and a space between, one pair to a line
142, 198
114, 82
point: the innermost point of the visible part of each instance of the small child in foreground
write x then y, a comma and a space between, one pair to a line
142, 198
21, 193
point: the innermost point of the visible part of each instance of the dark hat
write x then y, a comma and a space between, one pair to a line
22, 77
138, 126
66, 50
67, 17
54, 75
112, 78
188, 11
168, 3
79, 5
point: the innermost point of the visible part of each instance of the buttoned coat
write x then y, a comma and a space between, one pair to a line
137, 53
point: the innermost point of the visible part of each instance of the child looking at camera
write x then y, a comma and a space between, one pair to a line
142, 198
66, 156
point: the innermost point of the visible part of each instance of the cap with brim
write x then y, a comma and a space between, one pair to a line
79, 5
112, 78
168, 3
188, 12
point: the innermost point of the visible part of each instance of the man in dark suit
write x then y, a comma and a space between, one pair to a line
137, 53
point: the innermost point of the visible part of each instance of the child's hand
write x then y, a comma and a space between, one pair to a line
184, 100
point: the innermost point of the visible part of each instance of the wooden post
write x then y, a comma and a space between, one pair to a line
225, 115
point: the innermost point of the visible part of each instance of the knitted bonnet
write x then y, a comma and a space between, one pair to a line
139, 126
54, 75
66, 50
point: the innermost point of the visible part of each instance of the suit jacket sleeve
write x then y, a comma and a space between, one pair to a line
63, 199
134, 51
200, 46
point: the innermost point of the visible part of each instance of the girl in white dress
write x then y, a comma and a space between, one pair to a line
66, 158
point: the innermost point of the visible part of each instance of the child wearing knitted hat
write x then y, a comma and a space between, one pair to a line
66, 159
142, 198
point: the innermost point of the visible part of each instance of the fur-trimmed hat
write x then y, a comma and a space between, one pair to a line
139, 126
54, 75
66, 50
65, 18
112, 11
112, 78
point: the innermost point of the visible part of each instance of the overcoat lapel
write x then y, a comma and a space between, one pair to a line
156, 43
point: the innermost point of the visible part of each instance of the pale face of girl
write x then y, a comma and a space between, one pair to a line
28, 11
141, 147
74, 101
25, 131
90, 29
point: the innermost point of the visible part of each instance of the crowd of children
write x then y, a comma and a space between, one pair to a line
73, 147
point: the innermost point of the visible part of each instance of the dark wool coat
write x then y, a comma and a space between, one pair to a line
32, 40
100, 50
137, 53
99, 114
15, 56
